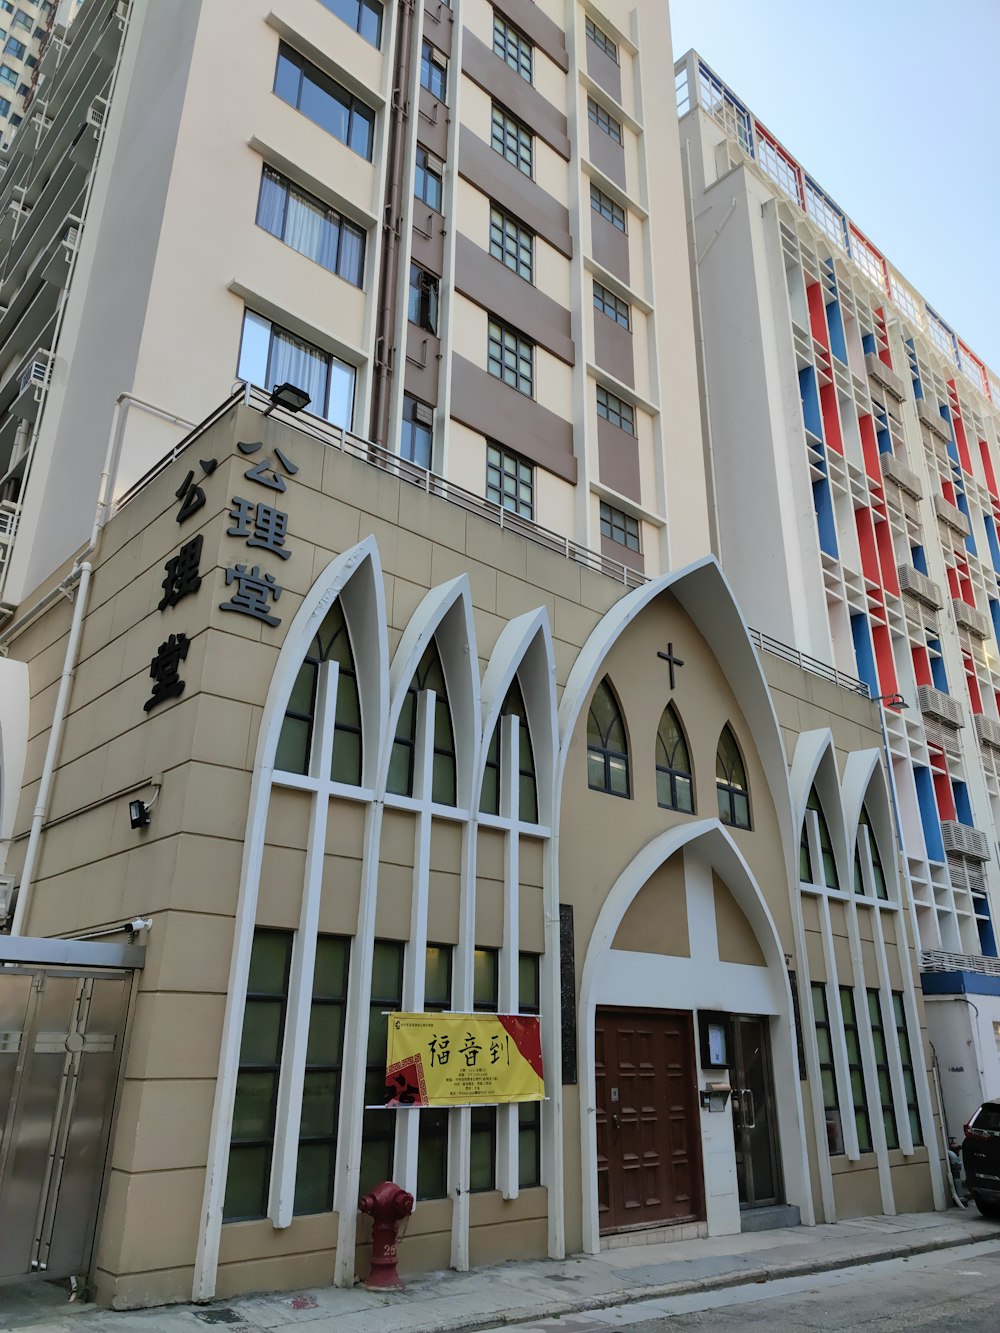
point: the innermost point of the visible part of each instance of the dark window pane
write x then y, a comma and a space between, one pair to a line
292, 754
320, 1098
330, 972
432, 1158
262, 1028
482, 1155
376, 1151
346, 765
314, 1178
329, 110
249, 1169
399, 780
269, 962
387, 973
254, 1104
286, 78
326, 1025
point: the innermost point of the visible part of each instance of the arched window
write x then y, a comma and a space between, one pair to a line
489, 800
830, 876
731, 781
429, 675
331, 644
674, 790
607, 748
878, 873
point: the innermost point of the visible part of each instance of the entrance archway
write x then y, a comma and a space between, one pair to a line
620, 980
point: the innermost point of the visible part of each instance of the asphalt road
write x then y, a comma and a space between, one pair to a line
947, 1291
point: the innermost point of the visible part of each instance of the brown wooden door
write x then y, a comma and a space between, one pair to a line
648, 1136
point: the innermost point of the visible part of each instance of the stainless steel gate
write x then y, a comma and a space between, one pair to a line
62, 1034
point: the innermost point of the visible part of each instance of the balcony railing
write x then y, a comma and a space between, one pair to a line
940, 960
811, 664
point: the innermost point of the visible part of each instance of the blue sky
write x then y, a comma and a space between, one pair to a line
893, 107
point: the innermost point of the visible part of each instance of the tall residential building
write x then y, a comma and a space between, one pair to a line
441, 222
856, 444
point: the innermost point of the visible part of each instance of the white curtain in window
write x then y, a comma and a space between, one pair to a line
296, 362
352, 255
304, 227
271, 206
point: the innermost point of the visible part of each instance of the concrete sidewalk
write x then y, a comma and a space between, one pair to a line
524, 1293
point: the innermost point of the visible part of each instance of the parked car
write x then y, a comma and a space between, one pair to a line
981, 1158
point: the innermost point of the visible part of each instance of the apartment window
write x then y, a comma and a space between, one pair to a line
603, 120
8, 75
324, 102
614, 409
379, 1127
603, 203
4, 106
512, 46
252, 1139
906, 1060
855, 1068
510, 481
483, 1148
317, 1156
7, 7
23, 91
427, 181
882, 1069
310, 227
529, 1127
600, 39
620, 527
511, 357
270, 355
827, 1070
15, 121
422, 307
613, 306
21, 20
364, 16
512, 140
433, 71
416, 436
432, 1153
512, 243
15, 48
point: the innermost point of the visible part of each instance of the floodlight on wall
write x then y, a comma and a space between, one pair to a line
138, 814
891, 700
290, 397
139, 810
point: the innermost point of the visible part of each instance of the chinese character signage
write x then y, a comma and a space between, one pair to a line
463, 1059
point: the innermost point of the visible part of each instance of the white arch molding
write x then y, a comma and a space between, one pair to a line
689, 984
15, 698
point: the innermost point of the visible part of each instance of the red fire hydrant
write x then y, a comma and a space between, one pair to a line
388, 1205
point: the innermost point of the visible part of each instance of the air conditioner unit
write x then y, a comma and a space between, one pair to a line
971, 618
918, 585
934, 420
937, 704
952, 515
96, 112
988, 731
964, 840
895, 471
880, 372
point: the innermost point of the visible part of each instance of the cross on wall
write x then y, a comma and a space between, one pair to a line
672, 662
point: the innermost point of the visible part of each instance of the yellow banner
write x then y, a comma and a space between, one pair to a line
463, 1059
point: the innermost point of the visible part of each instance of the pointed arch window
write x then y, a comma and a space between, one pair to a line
731, 781
607, 746
489, 800
674, 789
830, 877
429, 675
295, 743
878, 872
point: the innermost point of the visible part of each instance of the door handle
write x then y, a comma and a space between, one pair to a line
615, 1121
749, 1108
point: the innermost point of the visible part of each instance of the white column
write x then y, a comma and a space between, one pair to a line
873, 1093
510, 776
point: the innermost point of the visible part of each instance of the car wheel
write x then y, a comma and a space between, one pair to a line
988, 1207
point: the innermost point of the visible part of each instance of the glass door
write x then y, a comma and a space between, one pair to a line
758, 1169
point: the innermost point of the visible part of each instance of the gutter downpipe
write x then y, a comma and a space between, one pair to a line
81, 573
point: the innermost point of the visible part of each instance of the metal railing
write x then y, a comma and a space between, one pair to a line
811, 664
376, 455
940, 960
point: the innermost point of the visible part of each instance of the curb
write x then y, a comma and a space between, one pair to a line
744, 1278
